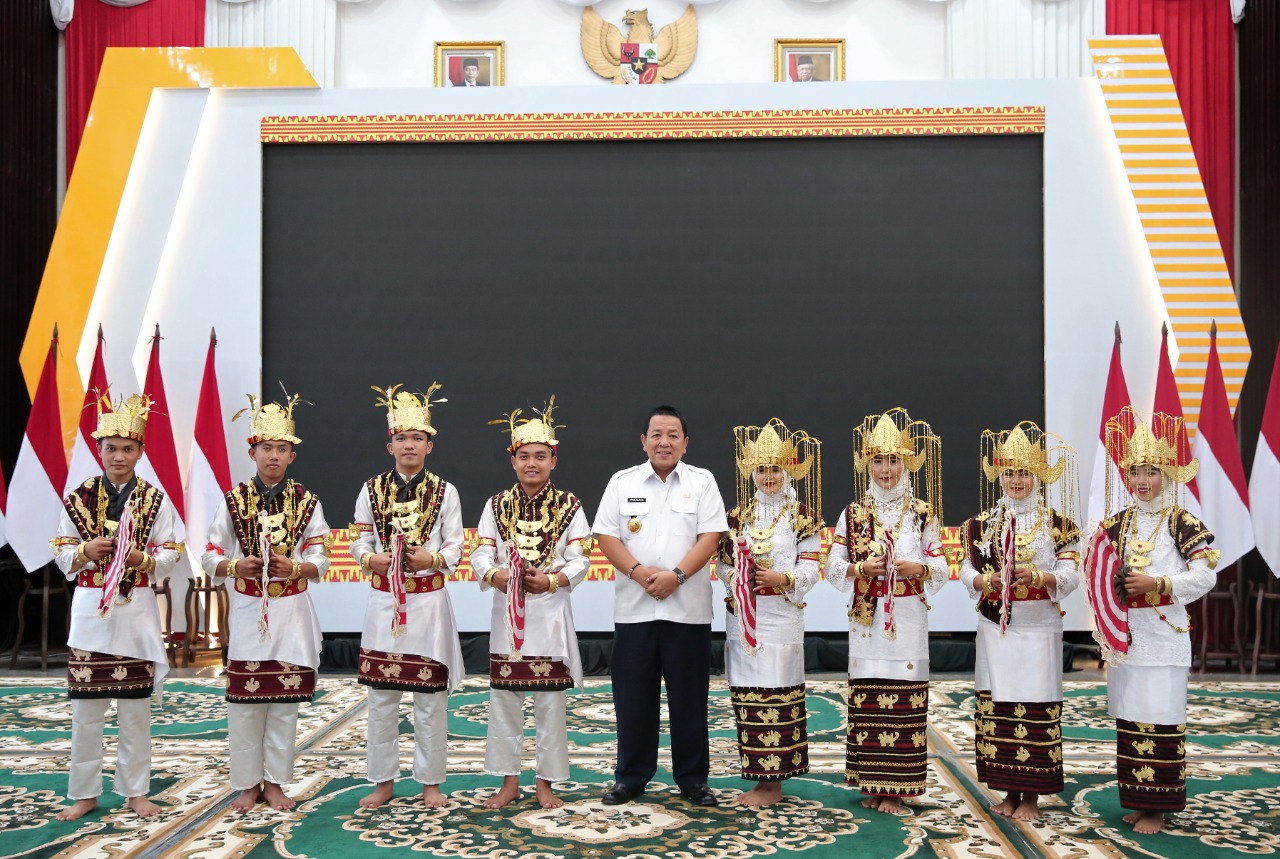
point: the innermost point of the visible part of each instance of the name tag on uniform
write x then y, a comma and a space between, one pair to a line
636, 500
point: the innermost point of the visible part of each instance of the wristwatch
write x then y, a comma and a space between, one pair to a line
681, 576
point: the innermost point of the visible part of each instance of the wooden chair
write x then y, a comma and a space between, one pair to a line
1266, 639
1219, 618
164, 590
51, 582
207, 605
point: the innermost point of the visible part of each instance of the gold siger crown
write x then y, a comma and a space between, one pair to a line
127, 419
1156, 444
271, 421
539, 430
889, 435
1021, 448
405, 411
772, 444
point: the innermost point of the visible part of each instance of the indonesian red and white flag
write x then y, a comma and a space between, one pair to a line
209, 472
890, 585
395, 582
85, 461
744, 593
3, 504
114, 572
515, 601
1170, 402
1224, 495
40, 473
1115, 398
1264, 480
159, 463
1110, 615
1009, 546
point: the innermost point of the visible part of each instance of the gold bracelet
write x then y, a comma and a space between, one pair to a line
791, 582
857, 569
81, 556
986, 582
364, 562
1037, 579
553, 582
296, 571
1164, 586
231, 567
488, 577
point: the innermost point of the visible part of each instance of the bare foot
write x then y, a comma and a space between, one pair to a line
870, 802
889, 805
546, 796
1006, 806
764, 794
142, 806
1146, 822
380, 796
432, 797
247, 799
1029, 808
509, 791
77, 809
276, 797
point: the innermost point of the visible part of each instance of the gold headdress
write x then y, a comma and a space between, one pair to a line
539, 430
271, 421
127, 419
1163, 444
1026, 447
405, 411
894, 433
797, 453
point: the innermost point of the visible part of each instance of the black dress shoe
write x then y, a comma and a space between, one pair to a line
699, 794
620, 794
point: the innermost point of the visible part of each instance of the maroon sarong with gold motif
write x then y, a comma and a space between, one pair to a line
268, 681
1151, 766
1018, 745
886, 751
530, 674
101, 675
773, 737
401, 672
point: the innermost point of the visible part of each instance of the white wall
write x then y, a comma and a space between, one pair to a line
208, 271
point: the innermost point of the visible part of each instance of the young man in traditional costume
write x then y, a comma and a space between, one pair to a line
534, 548
1021, 558
768, 561
407, 536
115, 538
269, 541
887, 549
1165, 565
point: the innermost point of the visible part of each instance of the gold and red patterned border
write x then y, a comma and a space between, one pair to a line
431, 128
342, 568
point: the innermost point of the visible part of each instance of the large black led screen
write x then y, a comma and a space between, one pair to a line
817, 280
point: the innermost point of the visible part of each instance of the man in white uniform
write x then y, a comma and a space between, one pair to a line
410, 639
658, 524
545, 528
275, 633
117, 648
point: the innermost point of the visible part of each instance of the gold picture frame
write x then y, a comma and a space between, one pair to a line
826, 55
453, 59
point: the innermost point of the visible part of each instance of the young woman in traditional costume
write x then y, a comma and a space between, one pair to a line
1020, 559
768, 561
1165, 565
888, 550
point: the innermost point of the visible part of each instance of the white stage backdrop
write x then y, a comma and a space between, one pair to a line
187, 248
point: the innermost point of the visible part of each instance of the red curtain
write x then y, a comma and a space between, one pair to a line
1199, 40
97, 26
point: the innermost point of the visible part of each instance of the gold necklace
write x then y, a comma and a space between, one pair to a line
761, 544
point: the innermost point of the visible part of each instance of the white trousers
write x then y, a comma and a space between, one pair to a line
262, 738
430, 735
506, 734
133, 747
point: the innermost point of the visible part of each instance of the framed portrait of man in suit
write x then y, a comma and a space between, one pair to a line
805, 61
468, 65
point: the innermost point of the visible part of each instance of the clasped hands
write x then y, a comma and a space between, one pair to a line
99, 548
250, 567
535, 581
875, 567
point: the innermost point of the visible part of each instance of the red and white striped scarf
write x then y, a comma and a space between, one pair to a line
114, 572
1009, 545
395, 582
890, 585
744, 593
515, 601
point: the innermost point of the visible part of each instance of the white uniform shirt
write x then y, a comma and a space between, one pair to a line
670, 514
549, 629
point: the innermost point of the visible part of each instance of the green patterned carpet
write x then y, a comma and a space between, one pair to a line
1233, 756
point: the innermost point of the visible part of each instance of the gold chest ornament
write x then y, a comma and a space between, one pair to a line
527, 536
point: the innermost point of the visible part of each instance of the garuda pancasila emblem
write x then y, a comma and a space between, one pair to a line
639, 58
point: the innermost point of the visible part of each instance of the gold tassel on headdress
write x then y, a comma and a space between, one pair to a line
894, 433
1131, 441
1047, 457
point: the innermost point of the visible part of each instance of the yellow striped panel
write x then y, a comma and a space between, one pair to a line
1151, 134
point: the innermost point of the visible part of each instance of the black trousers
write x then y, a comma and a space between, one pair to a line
645, 655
